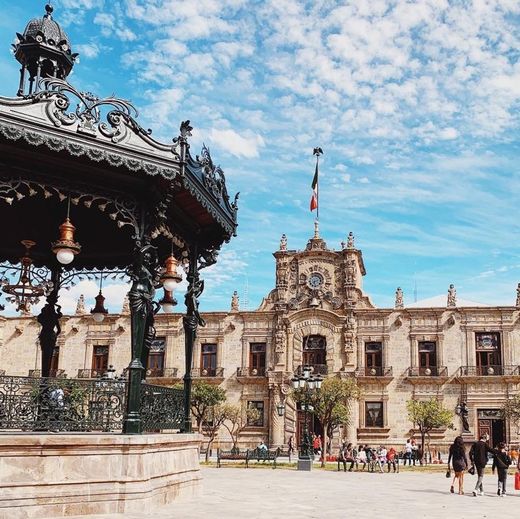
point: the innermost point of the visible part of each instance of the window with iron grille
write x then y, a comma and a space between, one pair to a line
374, 414
259, 406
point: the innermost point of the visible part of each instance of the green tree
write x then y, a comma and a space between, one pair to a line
204, 396
237, 420
331, 404
427, 415
215, 418
511, 410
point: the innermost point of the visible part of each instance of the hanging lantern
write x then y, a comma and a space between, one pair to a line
168, 302
99, 311
170, 277
66, 248
24, 293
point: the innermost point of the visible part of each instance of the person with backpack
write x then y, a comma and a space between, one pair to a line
479, 458
501, 462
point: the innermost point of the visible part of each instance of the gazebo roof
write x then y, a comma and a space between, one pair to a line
78, 151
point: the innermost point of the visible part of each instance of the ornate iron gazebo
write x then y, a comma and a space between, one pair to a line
91, 193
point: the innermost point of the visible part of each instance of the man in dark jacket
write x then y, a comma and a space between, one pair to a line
501, 462
478, 455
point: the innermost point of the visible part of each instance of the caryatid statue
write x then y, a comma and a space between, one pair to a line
452, 296
399, 303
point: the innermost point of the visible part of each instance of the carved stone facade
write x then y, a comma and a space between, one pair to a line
318, 314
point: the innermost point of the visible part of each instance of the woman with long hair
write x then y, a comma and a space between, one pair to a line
459, 462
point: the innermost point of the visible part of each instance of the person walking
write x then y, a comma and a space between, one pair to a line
459, 461
291, 447
501, 462
479, 458
408, 452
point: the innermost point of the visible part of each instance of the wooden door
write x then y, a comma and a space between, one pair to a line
485, 426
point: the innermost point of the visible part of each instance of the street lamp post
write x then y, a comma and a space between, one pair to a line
308, 385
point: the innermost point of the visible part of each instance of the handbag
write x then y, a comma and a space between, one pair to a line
448, 473
471, 470
517, 481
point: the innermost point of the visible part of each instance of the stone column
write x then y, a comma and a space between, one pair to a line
276, 421
353, 425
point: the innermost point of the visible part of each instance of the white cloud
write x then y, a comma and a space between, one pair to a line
88, 50
246, 144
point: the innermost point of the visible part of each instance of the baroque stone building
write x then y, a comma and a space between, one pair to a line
318, 315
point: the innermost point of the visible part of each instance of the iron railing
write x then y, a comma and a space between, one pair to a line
72, 405
161, 407
91, 373
162, 372
374, 371
488, 371
53, 404
54, 373
251, 372
316, 369
429, 371
207, 372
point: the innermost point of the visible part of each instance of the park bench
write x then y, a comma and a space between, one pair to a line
264, 455
232, 455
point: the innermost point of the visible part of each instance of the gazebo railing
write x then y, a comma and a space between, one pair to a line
61, 405
72, 405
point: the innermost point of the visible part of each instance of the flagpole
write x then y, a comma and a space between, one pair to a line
317, 151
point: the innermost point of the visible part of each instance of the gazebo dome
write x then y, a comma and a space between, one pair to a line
44, 51
47, 30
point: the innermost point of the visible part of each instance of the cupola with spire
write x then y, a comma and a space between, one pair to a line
44, 51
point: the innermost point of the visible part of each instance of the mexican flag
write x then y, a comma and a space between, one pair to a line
314, 197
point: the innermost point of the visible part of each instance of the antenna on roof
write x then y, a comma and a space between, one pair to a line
245, 298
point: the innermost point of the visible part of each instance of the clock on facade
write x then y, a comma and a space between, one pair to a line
315, 280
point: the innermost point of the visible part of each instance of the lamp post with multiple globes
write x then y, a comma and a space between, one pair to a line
307, 385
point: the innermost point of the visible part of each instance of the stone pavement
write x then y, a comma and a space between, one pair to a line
288, 494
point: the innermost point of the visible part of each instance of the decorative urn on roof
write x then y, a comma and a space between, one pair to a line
43, 51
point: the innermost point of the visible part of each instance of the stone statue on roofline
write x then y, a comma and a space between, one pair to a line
283, 243
80, 306
235, 302
399, 302
452, 296
350, 240
126, 305
518, 296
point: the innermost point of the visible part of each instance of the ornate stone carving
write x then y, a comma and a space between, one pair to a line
351, 272
235, 302
281, 272
126, 305
350, 240
280, 343
80, 306
399, 303
452, 296
518, 296
283, 243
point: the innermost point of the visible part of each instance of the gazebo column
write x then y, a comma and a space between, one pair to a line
191, 322
49, 319
140, 297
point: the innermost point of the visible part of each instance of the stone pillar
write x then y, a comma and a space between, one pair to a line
290, 351
352, 426
276, 421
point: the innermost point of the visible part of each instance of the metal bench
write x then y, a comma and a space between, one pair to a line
232, 455
264, 455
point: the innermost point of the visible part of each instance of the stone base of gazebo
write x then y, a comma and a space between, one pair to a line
57, 475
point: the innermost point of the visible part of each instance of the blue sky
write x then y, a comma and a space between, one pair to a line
415, 105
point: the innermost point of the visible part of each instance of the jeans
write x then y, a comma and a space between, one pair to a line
502, 480
408, 456
479, 487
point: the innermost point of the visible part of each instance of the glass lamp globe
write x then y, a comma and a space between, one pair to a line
98, 317
64, 256
169, 284
168, 308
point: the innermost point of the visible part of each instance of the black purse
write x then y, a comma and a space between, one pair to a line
448, 473
471, 470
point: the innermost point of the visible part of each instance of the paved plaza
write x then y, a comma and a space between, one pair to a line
266, 493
